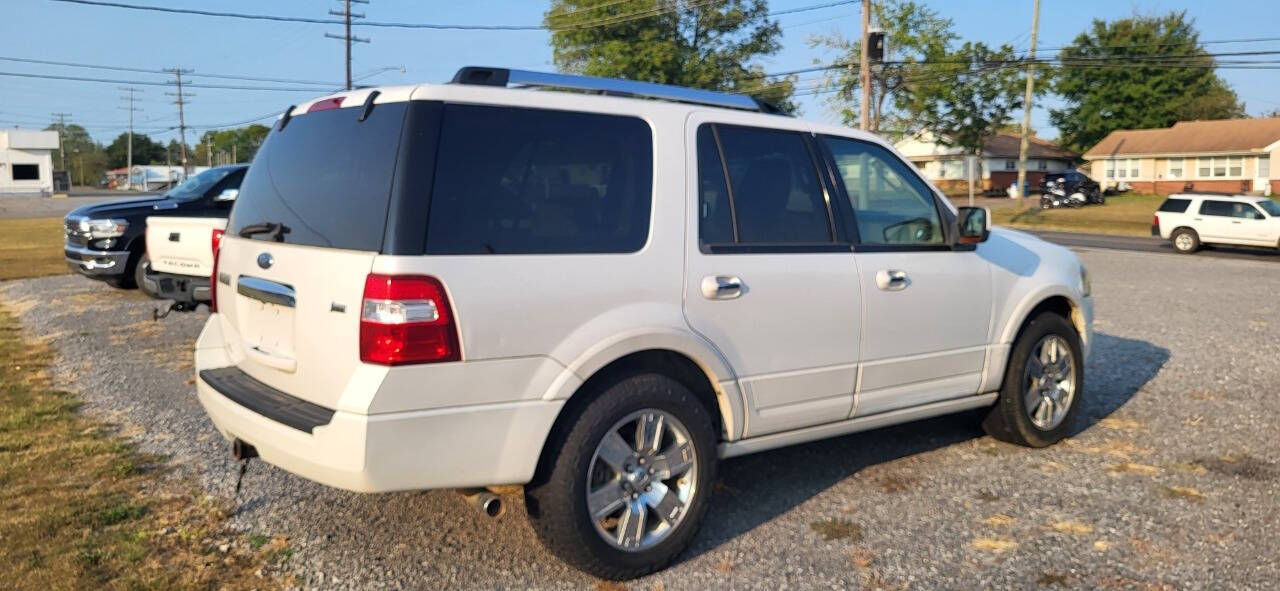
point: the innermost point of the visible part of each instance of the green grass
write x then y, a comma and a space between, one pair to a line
80, 513
1128, 215
31, 248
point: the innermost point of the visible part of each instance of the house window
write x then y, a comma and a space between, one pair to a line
1264, 167
1175, 168
1235, 166
1111, 169
1042, 165
1011, 165
1219, 167
26, 172
1203, 166
1133, 168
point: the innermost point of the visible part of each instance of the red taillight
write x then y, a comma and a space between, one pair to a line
1155, 221
216, 245
406, 319
326, 104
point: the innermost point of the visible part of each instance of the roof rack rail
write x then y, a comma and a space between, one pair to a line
502, 77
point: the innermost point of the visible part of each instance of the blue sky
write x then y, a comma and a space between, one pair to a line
67, 32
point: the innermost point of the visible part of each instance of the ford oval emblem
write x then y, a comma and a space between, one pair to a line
265, 260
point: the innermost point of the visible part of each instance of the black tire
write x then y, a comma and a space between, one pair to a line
1194, 244
140, 270
556, 499
1009, 419
128, 279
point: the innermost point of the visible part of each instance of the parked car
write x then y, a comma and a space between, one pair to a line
1192, 220
1070, 182
599, 297
181, 254
105, 241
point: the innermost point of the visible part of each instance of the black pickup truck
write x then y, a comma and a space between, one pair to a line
106, 241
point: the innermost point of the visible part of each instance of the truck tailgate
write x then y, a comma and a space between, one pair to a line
182, 246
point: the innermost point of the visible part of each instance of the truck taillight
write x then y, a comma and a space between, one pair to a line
216, 245
406, 319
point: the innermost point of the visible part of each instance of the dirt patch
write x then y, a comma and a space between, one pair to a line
1240, 466
837, 529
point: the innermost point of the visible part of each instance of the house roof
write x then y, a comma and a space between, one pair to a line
1009, 144
1191, 137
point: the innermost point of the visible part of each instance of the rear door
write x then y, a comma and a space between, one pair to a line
1214, 222
771, 279
927, 305
310, 218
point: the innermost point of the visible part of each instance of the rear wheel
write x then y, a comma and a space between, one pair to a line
1185, 240
1043, 384
627, 487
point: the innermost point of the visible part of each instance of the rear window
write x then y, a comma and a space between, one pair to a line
325, 179
534, 181
1175, 205
1222, 208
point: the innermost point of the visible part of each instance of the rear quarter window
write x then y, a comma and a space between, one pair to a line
534, 181
1175, 205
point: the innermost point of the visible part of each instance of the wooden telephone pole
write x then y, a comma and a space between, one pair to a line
347, 15
182, 122
864, 72
1026, 108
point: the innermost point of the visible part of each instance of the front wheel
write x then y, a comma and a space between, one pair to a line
627, 487
1043, 385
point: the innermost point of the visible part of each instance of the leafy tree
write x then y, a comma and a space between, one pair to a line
709, 44
145, 151
1137, 73
969, 97
1271, 113
914, 36
84, 159
240, 143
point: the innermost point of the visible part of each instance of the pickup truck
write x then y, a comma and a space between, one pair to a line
181, 253
105, 241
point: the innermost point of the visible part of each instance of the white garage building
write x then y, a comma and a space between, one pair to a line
26, 161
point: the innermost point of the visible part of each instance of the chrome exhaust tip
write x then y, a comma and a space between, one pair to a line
489, 504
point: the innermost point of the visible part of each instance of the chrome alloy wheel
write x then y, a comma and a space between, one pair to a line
1184, 242
1049, 382
641, 480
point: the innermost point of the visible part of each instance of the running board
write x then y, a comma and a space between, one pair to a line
885, 419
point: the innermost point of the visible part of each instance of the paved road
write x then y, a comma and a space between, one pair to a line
1170, 481
1154, 244
45, 207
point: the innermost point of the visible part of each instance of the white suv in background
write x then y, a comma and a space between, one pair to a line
598, 297
1191, 220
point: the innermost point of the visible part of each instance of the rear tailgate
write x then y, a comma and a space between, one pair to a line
309, 221
182, 246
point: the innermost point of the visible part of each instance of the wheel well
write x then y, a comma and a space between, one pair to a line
1187, 228
669, 363
1059, 305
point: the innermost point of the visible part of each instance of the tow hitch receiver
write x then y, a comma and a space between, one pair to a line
156, 314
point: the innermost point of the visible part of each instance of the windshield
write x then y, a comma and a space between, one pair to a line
1271, 207
196, 186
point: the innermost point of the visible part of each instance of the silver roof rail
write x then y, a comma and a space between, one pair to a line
503, 76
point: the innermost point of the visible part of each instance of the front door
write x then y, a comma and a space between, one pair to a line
928, 305
771, 280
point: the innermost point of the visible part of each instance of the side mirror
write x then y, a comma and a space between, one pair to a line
974, 224
227, 195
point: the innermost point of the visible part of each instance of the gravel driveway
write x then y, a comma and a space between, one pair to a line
1171, 482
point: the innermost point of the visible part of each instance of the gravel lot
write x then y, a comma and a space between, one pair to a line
1171, 482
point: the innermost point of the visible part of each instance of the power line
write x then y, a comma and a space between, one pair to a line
616, 19
153, 83
347, 37
151, 71
129, 161
182, 122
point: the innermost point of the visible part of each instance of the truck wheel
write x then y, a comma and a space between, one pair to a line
1185, 240
1043, 385
140, 271
128, 278
629, 479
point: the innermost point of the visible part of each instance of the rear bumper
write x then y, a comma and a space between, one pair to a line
1155, 229
179, 288
455, 447
96, 263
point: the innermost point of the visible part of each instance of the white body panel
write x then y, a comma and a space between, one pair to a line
812, 349
182, 246
1213, 229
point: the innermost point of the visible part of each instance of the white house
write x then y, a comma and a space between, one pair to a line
945, 165
26, 161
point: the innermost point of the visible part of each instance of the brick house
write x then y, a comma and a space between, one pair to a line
1231, 155
945, 165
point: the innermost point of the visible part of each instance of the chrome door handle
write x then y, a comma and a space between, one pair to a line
721, 287
892, 280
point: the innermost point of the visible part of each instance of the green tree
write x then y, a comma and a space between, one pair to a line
915, 35
84, 158
970, 97
145, 151
1137, 73
231, 145
711, 44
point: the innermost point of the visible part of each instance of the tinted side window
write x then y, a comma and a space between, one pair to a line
715, 209
1175, 205
776, 193
525, 181
1222, 208
891, 205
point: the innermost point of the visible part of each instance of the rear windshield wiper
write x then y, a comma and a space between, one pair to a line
275, 231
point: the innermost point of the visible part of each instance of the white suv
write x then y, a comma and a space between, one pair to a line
1190, 220
598, 297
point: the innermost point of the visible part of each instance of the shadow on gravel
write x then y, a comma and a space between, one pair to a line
755, 489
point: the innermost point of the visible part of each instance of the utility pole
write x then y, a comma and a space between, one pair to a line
347, 15
62, 151
208, 149
129, 160
864, 74
1026, 108
182, 122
